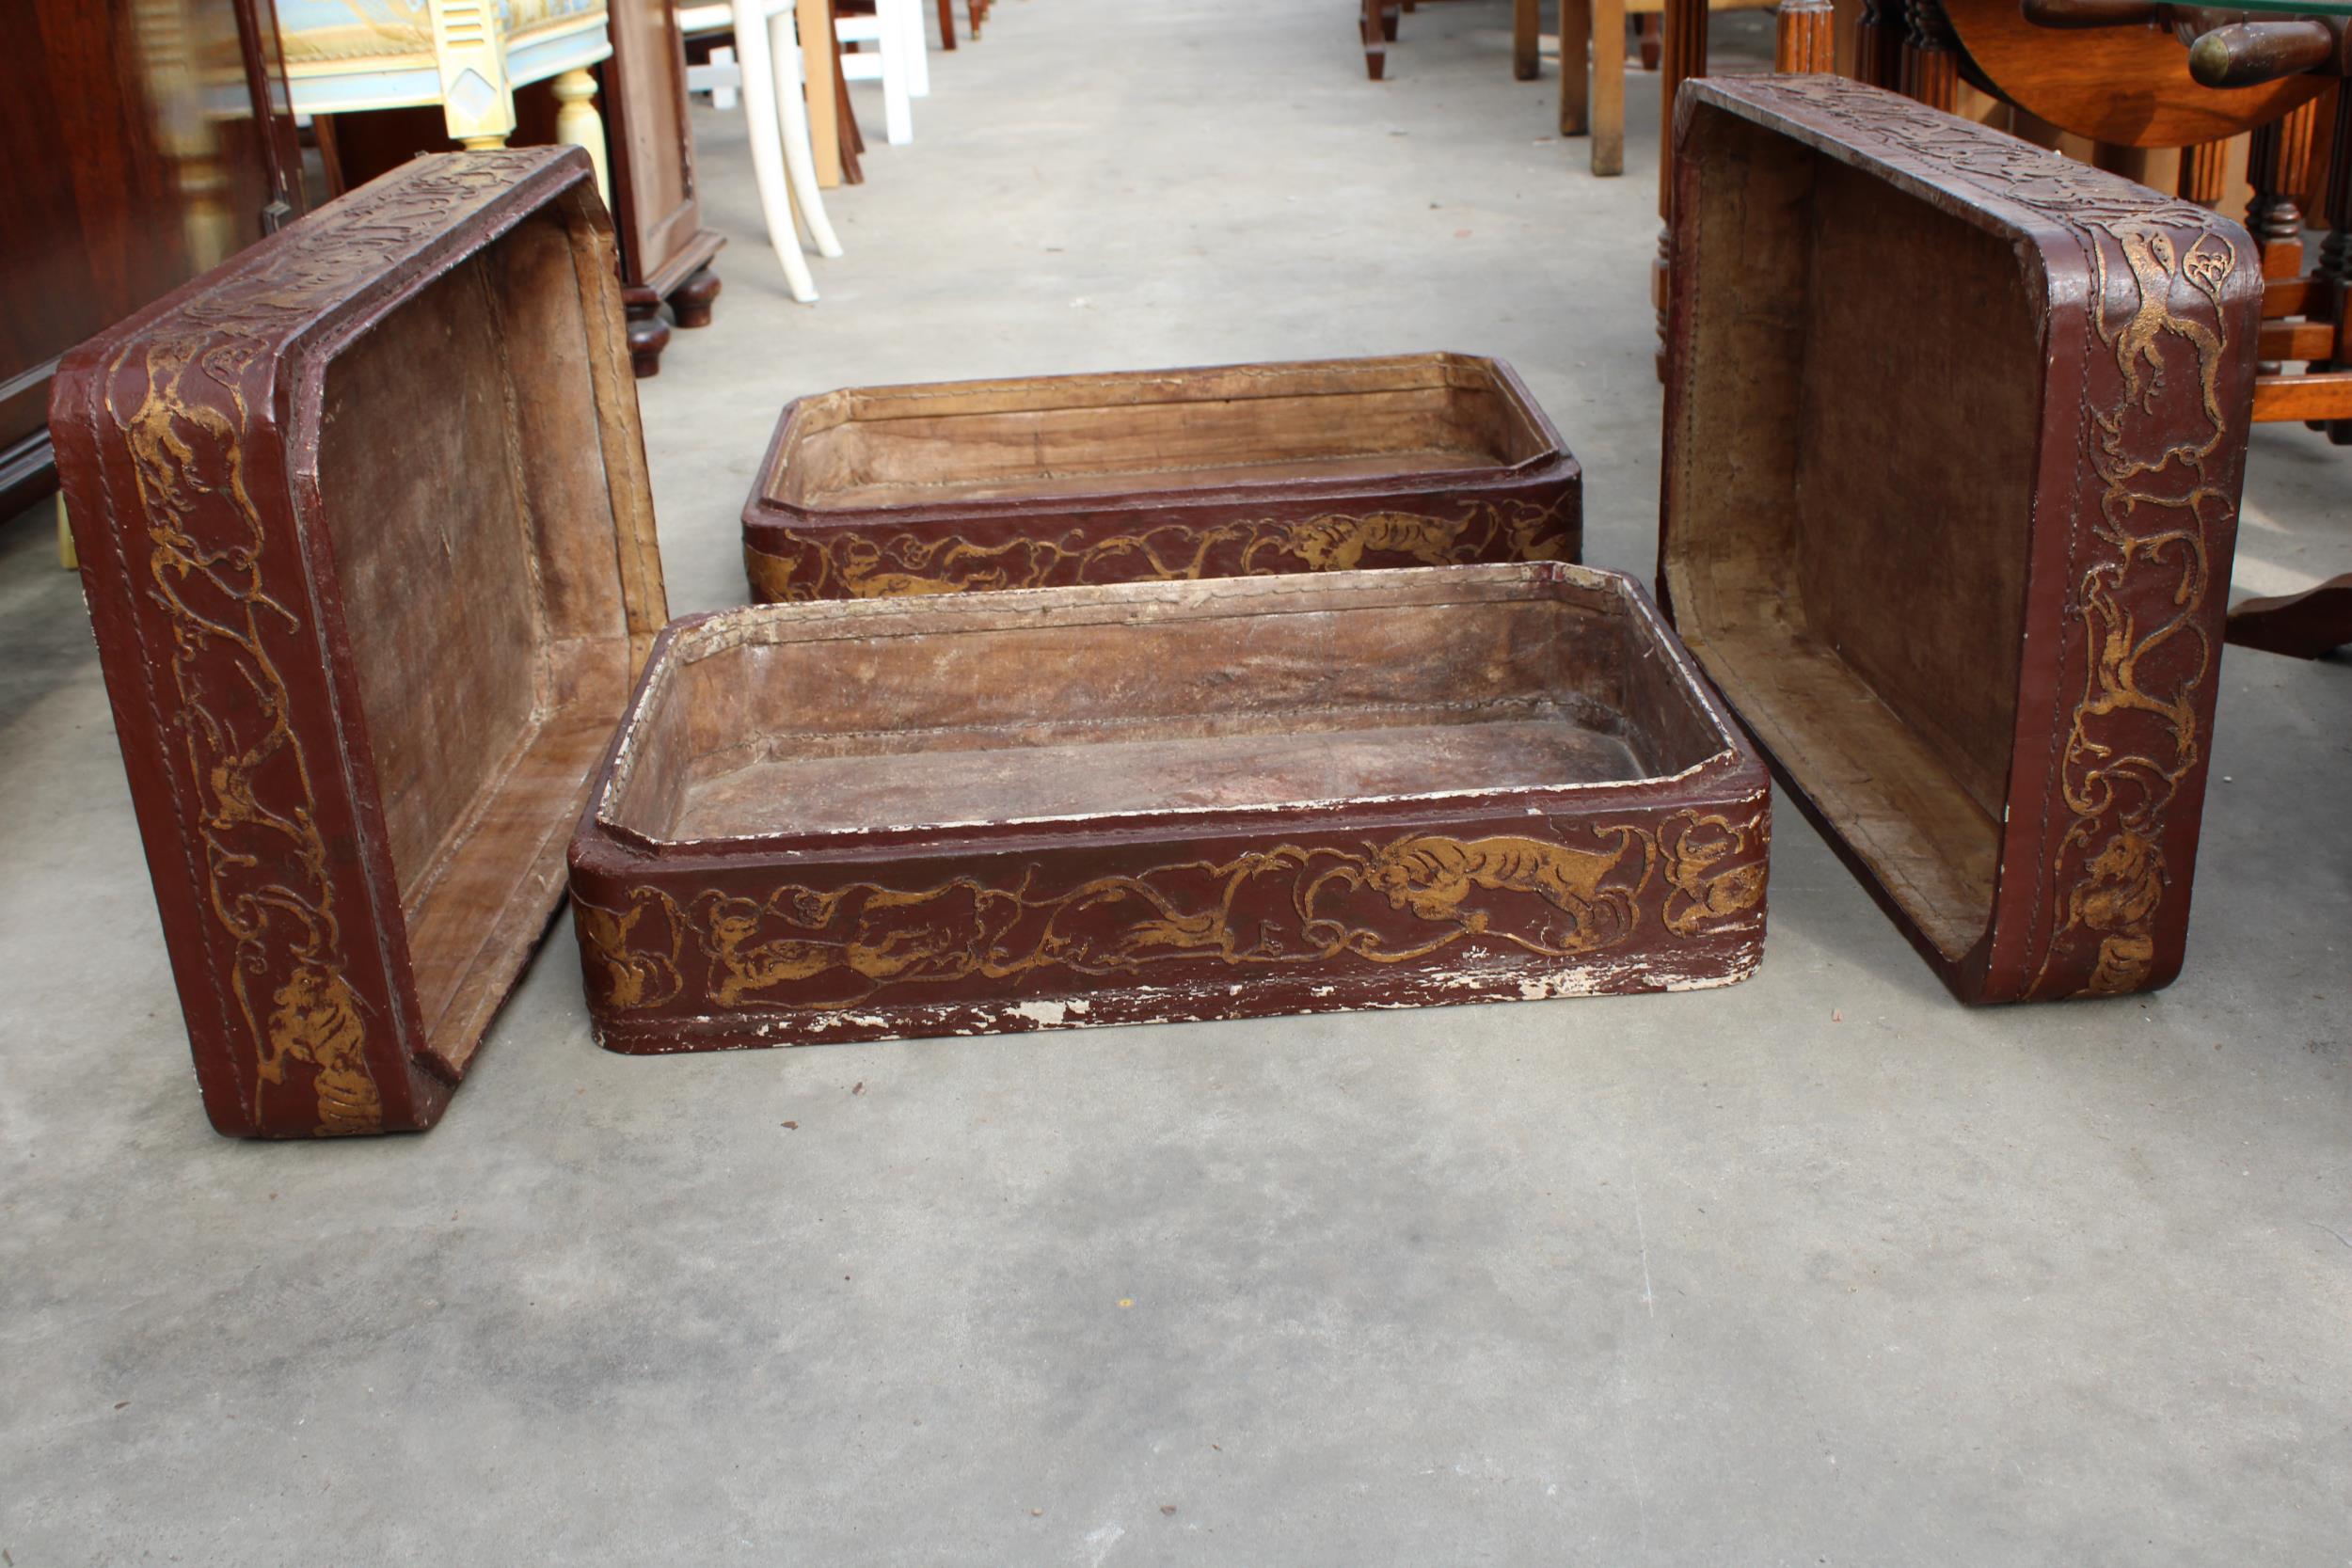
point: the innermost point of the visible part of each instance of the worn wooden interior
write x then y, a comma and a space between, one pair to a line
861, 716
464, 486
1074, 436
1851, 485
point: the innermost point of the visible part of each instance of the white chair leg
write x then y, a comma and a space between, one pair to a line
919, 46
767, 139
799, 157
886, 63
898, 117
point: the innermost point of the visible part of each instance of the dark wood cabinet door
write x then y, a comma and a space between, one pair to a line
141, 143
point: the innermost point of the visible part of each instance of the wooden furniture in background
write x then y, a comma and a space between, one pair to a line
1600, 105
1987, 683
763, 70
813, 19
666, 253
1803, 43
1376, 27
464, 57
359, 697
140, 146
1425, 459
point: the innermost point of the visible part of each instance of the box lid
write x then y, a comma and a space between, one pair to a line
365, 533
1955, 428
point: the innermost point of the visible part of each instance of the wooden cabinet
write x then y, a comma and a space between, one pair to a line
665, 251
140, 144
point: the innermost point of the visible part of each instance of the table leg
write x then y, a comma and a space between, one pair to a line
1608, 87
1576, 74
814, 19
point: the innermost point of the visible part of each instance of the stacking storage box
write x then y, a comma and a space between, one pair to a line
365, 531
1954, 436
1161, 802
1243, 470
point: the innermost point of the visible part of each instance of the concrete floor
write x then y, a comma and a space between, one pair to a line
1819, 1269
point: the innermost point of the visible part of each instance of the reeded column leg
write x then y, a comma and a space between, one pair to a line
1930, 56
1805, 39
1683, 57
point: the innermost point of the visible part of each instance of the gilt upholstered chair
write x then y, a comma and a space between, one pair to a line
347, 57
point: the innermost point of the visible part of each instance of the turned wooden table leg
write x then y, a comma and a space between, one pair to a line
1576, 74
578, 124
2305, 624
1878, 41
1930, 56
2278, 167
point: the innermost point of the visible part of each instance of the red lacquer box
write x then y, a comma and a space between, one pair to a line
1164, 801
1955, 429
1155, 476
364, 525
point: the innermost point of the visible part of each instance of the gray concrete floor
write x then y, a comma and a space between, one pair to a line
1819, 1269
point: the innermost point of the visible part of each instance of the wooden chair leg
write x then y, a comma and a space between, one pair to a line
946, 25
1576, 71
1526, 63
1608, 87
1376, 41
799, 160
814, 20
1647, 33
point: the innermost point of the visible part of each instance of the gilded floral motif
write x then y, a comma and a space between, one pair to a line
845, 564
242, 775
2143, 586
1566, 896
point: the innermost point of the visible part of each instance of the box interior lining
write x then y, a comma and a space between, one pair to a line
759, 726
474, 531
1854, 486
1058, 436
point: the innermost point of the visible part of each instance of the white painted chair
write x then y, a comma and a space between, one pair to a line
765, 65
898, 61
